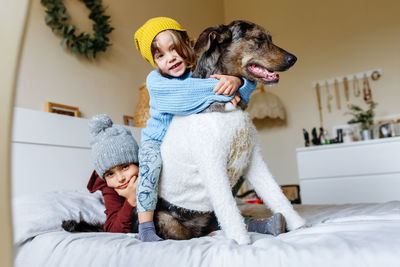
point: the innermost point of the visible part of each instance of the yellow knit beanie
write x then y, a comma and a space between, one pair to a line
144, 35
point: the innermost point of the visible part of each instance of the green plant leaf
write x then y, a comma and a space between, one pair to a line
71, 29
63, 41
74, 49
48, 19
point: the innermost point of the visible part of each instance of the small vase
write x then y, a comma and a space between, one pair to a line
366, 134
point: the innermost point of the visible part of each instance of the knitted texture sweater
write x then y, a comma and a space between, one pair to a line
181, 96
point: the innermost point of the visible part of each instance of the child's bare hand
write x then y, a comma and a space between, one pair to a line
236, 99
227, 84
129, 193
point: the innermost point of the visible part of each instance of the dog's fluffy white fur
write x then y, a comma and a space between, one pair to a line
203, 157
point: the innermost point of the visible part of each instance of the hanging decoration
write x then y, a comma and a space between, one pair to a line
337, 94
85, 44
329, 97
356, 87
318, 91
355, 78
367, 93
346, 91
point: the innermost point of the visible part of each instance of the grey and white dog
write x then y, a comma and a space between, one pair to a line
205, 154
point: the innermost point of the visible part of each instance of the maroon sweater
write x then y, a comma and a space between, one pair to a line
118, 210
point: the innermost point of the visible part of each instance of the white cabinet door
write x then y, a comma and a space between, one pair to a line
367, 171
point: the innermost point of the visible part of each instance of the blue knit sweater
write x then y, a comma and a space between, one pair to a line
181, 96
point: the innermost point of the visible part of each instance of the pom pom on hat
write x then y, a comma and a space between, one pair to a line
144, 35
112, 144
99, 123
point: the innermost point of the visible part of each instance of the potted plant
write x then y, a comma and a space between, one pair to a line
364, 117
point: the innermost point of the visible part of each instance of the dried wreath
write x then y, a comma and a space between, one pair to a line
84, 43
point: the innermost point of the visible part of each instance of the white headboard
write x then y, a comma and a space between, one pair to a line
50, 152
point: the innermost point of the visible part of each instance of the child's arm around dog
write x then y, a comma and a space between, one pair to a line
185, 95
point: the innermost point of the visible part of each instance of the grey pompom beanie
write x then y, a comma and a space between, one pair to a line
112, 144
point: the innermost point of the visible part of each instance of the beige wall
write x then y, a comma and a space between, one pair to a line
109, 84
330, 39
11, 39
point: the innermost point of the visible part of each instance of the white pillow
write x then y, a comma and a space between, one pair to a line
40, 213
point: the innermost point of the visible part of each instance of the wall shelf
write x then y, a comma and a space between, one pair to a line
350, 77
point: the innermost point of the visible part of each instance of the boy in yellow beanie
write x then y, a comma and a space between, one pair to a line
165, 44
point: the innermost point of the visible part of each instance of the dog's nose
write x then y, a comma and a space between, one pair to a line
291, 59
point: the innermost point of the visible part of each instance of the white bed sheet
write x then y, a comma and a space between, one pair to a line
345, 235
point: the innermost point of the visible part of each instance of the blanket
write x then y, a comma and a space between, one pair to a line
338, 235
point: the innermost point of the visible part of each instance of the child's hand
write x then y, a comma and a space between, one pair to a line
236, 99
129, 193
227, 84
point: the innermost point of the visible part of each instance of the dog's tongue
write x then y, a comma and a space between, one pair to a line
263, 73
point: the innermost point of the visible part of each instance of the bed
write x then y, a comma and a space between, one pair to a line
51, 166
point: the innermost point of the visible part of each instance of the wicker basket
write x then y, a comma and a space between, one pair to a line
141, 114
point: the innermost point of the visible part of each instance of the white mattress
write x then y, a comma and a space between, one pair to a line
346, 235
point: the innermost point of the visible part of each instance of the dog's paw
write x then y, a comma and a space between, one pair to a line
294, 223
242, 239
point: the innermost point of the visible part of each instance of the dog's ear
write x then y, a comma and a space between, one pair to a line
212, 38
205, 39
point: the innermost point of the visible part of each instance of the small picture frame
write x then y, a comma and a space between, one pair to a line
62, 109
292, 192
128, 120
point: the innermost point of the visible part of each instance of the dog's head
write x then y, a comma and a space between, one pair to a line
242, 49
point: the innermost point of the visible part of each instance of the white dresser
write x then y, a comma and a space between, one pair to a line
364, 171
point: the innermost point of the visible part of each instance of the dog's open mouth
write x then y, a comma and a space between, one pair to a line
261, 72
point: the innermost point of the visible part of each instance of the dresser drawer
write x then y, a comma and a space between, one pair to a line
355, 189
360, 158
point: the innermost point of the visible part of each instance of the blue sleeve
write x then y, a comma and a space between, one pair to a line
183, 95
247, 89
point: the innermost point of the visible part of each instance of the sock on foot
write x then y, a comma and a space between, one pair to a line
147, 232
274, 225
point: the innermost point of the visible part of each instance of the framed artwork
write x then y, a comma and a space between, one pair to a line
292, 192
128, 120
62, 109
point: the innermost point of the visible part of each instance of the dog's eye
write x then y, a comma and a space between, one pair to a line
260, 41
264, 38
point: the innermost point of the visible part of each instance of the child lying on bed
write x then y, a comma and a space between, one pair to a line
115, 157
